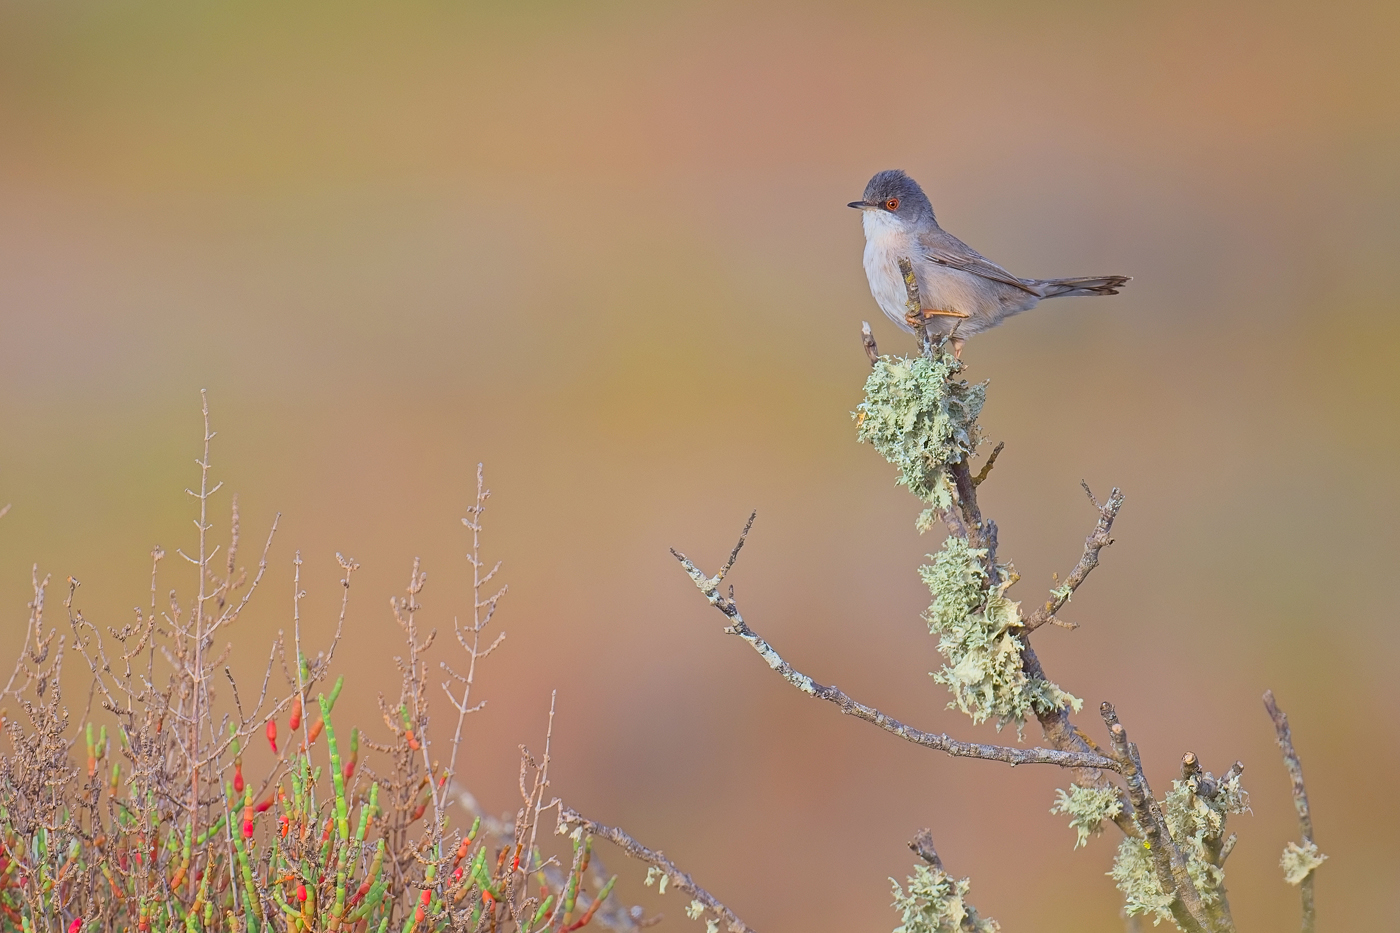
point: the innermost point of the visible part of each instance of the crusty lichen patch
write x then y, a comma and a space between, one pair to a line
921, 419
1299, 861
1087, 809
977, 628
934, 902
1197, 824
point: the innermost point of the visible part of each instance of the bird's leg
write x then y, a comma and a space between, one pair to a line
927, 314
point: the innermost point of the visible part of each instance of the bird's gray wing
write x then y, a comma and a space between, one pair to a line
943, 248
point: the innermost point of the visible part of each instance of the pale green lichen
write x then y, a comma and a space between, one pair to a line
935, 903
1135, 876
921, 420
1299, 861
976, 628
1197, 824
1087, 808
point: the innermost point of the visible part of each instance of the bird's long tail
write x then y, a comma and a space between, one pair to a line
1081, 285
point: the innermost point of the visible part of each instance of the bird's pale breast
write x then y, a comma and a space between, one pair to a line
885, 245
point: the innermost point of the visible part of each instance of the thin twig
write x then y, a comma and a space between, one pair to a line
986, 470
479, 622
571, 820
1099, 539
1300, 801
709, 586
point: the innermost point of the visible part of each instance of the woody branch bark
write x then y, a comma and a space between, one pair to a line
1300, 800
570, 820
1099, 539
965, 519
1167, 858
1084, 759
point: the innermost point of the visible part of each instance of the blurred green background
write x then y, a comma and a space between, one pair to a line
604, 249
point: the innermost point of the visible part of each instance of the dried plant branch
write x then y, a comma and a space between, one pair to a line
482, 612
986, 470
922, 846
1099, 539
1167, 858
709, 586
1300, 801
867, 340
571, 821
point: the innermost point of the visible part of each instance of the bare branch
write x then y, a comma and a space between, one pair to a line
1300, 801
572, 821
1099, 539
480, 620
986, 470
937, 741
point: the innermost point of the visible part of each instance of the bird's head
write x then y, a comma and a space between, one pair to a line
896, 195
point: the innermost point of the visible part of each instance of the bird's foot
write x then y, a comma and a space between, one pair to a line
927, 314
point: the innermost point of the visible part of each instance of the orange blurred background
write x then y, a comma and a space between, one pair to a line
604, 249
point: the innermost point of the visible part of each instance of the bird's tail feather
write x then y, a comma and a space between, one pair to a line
1081, 285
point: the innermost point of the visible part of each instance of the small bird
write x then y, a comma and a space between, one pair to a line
961, 291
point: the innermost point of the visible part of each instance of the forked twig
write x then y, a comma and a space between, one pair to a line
571, 820
1098, 539
709, 586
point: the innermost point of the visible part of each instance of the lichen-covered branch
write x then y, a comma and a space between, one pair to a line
571, 820
934, 901
1168, 861
1099, 539
1299, 862
709, 586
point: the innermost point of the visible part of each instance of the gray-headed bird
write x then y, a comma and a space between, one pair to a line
961, 291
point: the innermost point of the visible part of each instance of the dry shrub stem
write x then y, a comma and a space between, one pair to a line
572, 821
1167, 858
1300, 801
709, 586
165, 831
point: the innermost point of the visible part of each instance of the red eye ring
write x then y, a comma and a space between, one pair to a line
892, 204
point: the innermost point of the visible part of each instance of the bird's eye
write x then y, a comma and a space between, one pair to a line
892, 204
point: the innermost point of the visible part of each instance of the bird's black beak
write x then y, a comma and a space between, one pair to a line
862, 205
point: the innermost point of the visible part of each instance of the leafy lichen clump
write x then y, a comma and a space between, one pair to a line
976, 628
1299, 860
1087, 808
1197, 823
921, 420
1133, 873
934, 903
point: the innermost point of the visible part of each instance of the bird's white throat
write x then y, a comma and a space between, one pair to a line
879, 224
